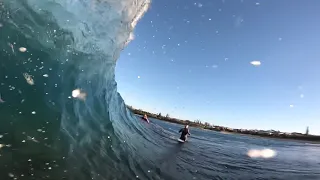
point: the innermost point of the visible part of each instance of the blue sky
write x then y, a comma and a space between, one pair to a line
191, 59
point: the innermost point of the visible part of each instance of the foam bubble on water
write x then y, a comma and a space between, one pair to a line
264, 153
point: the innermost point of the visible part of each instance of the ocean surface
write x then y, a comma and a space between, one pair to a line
61, 116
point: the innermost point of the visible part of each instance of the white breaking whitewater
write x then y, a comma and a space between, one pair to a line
97, 25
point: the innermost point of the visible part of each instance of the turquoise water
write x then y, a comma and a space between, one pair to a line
49, 49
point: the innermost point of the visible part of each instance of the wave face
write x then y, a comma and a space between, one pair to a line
62, 118
48, 49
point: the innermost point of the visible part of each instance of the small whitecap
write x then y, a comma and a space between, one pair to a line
45, 75
33, 112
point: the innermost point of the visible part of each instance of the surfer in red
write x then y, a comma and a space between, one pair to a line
185, 132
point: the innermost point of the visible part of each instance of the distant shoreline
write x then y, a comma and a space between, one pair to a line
256, 133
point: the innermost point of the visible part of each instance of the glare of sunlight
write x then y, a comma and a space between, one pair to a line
264, 153
22, 49
78, 94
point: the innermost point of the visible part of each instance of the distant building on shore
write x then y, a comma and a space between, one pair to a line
307, 131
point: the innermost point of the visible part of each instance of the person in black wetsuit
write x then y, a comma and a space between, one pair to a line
184, 132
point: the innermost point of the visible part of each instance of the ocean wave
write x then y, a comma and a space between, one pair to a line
60, 46
61, 116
